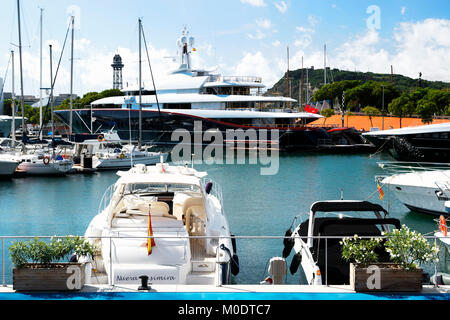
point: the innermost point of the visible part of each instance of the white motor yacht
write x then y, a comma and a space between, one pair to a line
421, 191
125, 157
181, 210
319, 256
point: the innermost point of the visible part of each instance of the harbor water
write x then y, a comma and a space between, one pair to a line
256, 205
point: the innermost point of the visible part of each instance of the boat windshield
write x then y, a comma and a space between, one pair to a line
137, 188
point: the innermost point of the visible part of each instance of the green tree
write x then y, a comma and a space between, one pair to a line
371, 94
401, 107
334, 90
327, 113
370, 112
426, 109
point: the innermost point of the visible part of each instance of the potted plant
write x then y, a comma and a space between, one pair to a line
43, 266
407, 249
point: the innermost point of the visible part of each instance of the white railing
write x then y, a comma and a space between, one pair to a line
396, 167
216, 189
219, 78
106, 198
111, 281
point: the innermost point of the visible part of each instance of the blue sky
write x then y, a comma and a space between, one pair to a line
240, 37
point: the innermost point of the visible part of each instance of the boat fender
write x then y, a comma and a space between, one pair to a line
235, 265
233, 243
208, 187
46, 160
234, 260
288, 243
296, 260
288, 233
443, 225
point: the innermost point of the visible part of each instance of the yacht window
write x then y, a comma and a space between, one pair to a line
137, 188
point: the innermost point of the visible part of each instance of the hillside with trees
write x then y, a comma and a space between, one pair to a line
398, 95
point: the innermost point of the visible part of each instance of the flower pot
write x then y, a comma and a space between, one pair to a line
49, 277
384, 277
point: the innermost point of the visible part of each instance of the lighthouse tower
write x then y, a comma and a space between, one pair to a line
117, 72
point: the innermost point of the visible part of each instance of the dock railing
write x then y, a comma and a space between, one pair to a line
111, 282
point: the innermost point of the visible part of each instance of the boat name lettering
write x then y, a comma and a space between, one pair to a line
150, 278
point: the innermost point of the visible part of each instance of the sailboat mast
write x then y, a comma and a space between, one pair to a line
40, 80
140, 87
287, 78
71, 78
13, 103
51, 92
301, 87
324, 64
24, 129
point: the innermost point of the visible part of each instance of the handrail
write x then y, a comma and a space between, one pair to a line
3, 238
217, 78
404, 167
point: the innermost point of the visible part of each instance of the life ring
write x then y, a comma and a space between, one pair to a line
443, 225
100, 138
46, 160
121, 156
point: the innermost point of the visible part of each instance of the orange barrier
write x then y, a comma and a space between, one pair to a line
364, 123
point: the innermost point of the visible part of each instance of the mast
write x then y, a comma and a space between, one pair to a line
13, 103
51, 92
71, 78
288, 86
40, 79
24, 129
324, 64
302, 84
140, 87
307, 86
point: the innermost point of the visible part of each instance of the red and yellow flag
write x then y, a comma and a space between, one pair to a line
150, 241
380, 191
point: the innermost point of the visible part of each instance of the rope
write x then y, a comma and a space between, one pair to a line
380, 149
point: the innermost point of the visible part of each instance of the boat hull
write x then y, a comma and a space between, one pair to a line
39, 168
7, 167
158, 128
434, 147
128, 162
424, 192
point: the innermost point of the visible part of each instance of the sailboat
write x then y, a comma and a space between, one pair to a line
39, 161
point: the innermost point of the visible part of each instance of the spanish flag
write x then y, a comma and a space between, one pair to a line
150, 242
380, 191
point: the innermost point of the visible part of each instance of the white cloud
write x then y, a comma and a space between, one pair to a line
281, 6
255, 3
264, 23
303, 29
304, 41
262, 27
257, 65
276, 43
422, 46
